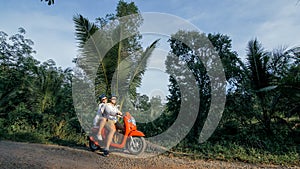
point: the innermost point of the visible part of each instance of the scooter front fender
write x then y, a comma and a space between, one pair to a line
136, 133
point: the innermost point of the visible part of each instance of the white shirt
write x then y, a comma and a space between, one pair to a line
110, 111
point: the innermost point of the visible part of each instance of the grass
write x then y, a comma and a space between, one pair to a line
234, 152
225, 150
44, 138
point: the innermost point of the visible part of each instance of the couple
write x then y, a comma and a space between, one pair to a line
107, 116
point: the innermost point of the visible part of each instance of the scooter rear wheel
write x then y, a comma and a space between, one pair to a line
136, 145
93, 146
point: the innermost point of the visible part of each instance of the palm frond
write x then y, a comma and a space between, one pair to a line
92, 45
267, 89
129, 73
83, 29
142, 63
257, 64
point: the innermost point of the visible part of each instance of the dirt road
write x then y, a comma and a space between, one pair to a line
31, 156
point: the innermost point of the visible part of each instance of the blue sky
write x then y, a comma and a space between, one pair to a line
274, 23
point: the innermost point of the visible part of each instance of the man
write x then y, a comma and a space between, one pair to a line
110, 112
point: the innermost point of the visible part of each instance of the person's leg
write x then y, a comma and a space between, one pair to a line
112, 129
101, 125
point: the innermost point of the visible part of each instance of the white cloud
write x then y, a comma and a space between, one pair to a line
282, 29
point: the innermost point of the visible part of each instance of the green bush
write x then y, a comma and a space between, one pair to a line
233, 152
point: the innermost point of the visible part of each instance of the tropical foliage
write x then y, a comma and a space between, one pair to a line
122, 61
34, 97
49, 2
260, 122
260, 112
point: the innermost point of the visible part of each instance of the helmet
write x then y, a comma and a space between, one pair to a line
102, 96
113, 95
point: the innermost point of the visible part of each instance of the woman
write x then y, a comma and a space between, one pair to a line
99, 115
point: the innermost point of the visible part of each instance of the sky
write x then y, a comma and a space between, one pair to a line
274, 23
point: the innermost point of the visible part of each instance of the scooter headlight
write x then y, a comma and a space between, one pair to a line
132, 120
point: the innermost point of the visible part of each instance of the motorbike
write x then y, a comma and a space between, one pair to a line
126, 137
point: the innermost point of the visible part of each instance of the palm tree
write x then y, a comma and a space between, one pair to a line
259, 77
109, 52
267, 73
49, 82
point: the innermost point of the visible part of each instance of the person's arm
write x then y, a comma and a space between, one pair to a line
119, 113
100, 109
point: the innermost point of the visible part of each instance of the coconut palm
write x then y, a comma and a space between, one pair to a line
267, 72
111, 53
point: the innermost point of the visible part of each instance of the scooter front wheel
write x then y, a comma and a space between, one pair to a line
136, 145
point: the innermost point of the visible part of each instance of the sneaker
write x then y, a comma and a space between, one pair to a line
105, 153
99, 137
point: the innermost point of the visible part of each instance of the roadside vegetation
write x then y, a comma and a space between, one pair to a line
260, 123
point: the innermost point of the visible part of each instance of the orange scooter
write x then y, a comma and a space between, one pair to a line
126, 136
